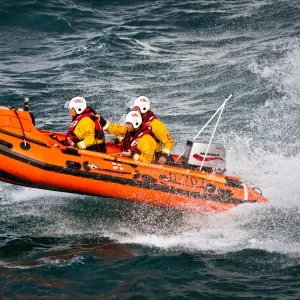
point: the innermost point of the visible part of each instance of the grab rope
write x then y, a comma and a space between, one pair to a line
24, 137
258, 190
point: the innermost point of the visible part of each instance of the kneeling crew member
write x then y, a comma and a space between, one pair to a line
85, 131
137, 142
164, 140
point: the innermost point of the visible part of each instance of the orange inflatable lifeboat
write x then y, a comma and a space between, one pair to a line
34, 158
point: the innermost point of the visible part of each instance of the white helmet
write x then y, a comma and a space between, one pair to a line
79, 104
134, 118
143, 103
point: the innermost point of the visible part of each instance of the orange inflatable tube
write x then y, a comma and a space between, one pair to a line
35, 158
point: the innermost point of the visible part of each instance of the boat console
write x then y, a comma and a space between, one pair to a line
208, 157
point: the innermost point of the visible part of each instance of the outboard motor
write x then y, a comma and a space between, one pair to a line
214, 161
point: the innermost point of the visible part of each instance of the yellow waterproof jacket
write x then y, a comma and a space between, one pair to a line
165, 142
146, 145
85, 132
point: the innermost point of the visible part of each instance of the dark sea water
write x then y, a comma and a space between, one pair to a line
187, 57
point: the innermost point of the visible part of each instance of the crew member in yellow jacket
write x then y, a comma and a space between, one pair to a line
137, 142
85, 131
164, 140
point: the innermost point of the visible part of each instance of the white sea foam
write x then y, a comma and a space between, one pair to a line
266, 155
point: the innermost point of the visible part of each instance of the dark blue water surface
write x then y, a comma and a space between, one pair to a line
187, 57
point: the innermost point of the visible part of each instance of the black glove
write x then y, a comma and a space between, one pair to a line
116, 140
102, 121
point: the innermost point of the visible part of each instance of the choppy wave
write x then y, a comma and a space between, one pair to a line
187, 56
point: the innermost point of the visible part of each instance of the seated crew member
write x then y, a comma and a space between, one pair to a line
137, 142
164, 140
85, 131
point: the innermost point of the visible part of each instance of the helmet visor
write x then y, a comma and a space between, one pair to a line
129, 105
67, 104
122, 120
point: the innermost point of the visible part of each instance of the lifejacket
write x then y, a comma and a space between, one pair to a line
71, 138
131, 140
147, 120
149, 117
